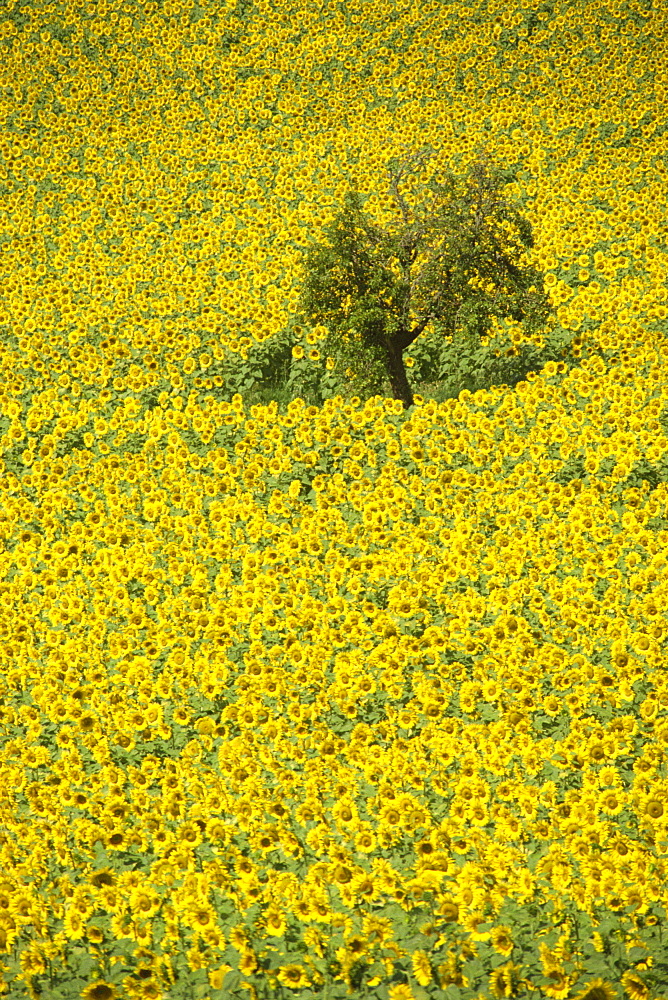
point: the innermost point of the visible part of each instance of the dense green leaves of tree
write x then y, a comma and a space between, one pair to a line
455, 258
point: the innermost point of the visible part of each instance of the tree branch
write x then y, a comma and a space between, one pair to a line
407, 337
396, 175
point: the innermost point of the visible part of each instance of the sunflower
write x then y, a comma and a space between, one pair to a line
73, 925
189, 833
141, 931
302, 910
144, 904
502, 940
293, 976
345, 811
634, 986
560, 985
201, 918
365, 841
599, 989
95, 934
275, 922
390, 816
470, 923
421, 967
449, 973
32, 963
137, 720
117, 840
217, 976
401, 992
247, 963
611, 802
102, 877
448, 912
110, 900
654, 808
505, 981
99, 991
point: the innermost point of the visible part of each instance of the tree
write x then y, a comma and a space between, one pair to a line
455, 258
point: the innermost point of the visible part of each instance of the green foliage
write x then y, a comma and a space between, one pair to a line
364, 286
441, 370
348, 281
465, 363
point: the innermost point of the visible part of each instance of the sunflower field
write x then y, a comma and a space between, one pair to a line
303, 694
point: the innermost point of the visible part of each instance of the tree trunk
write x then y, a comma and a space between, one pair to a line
397, 374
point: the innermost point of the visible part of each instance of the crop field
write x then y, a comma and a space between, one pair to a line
304, 694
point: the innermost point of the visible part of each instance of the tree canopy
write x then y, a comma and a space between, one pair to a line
456, 257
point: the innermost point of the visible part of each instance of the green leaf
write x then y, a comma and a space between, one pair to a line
597, 965
473, 967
